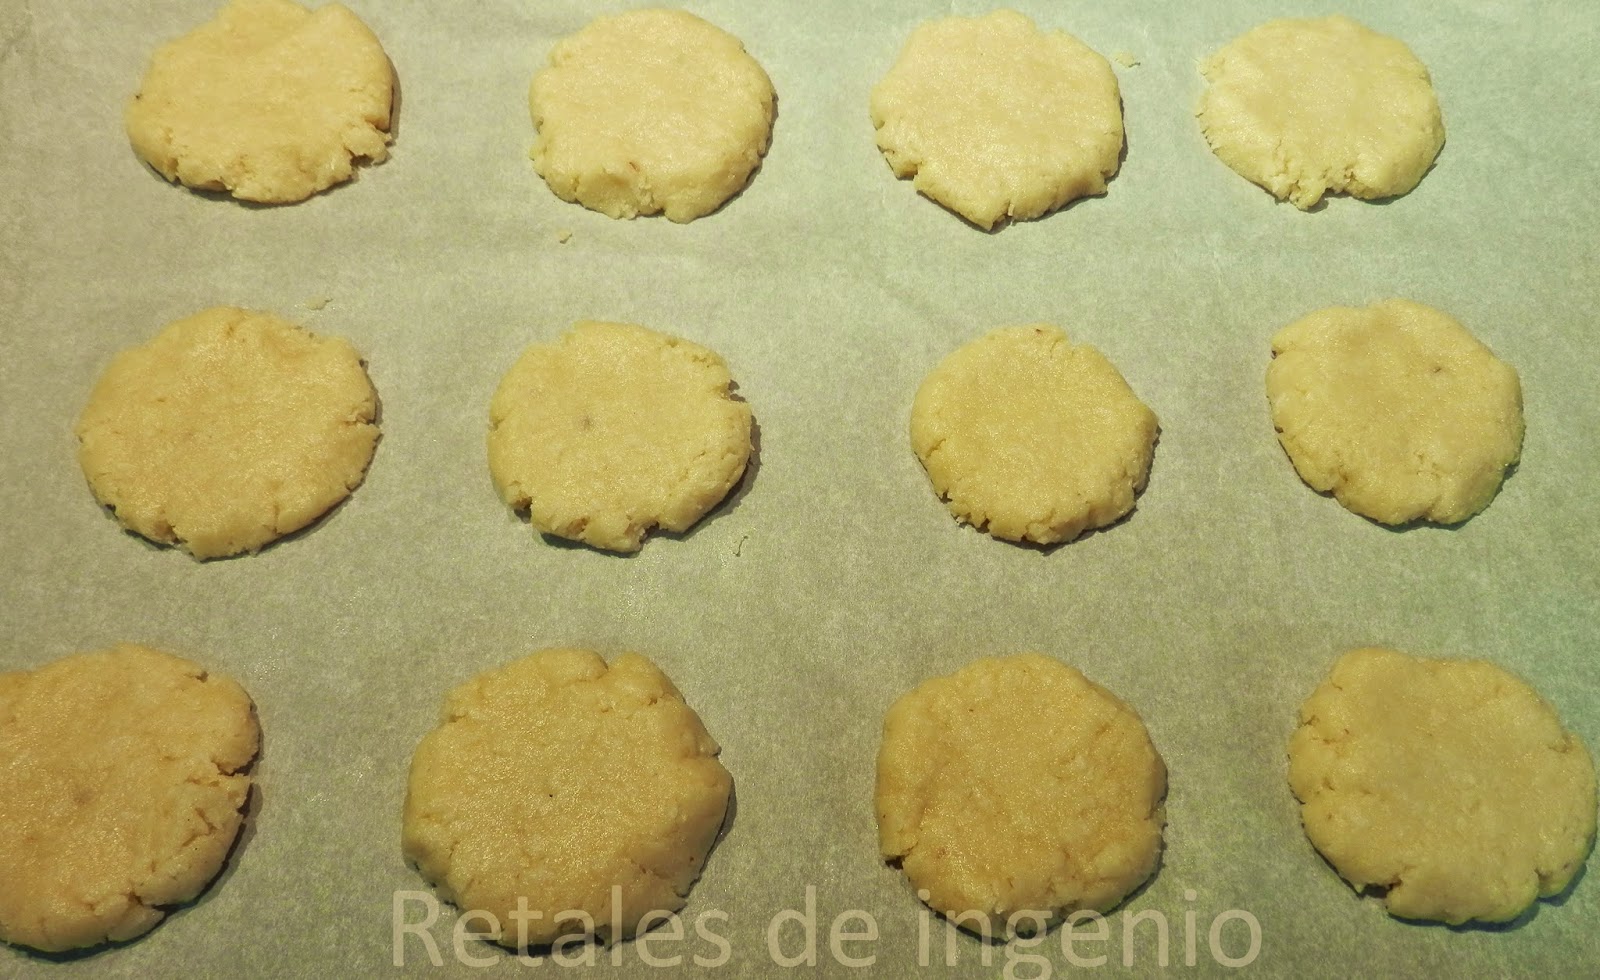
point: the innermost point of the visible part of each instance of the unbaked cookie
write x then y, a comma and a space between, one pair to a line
556, 781
1305, 107
270, 102
122, 787
227, 431
1018, 785
995, 119
650, 111
1447, 786
613, 430
1030, 438
1396, 410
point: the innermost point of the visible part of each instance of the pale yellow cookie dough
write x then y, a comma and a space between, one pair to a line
1030, 438
613, 430
121, 791
227, 431
650, 111
270, 102
553, 781
1308, 107
1396, 410
1447, 786
996, 119
1017, 784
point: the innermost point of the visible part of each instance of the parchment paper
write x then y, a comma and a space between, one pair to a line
834, 580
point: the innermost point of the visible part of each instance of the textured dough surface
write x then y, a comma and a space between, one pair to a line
613, 430
270, 102
1308, 107
650, 111
556, 779
1450, 786
1396, 410
227, 431
121, 791
996, 119
1018, 784
1031, 438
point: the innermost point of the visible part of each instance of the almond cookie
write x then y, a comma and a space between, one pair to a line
227, 431
613, 430
651, 111
996, 119
565, 797
1447, 786
122, 787
1030, 438
1016, 791
1396, 410
269, 102
1308, 107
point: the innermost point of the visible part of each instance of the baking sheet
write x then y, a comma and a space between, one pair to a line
834, 580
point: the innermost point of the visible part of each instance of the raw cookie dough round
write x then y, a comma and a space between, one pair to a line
121, 791
1030, 438
1018, 785
590, 795
1448, 786
996, 119
270, 102
227, 431
1396, 410
650, 111
613, 430
1304, 107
